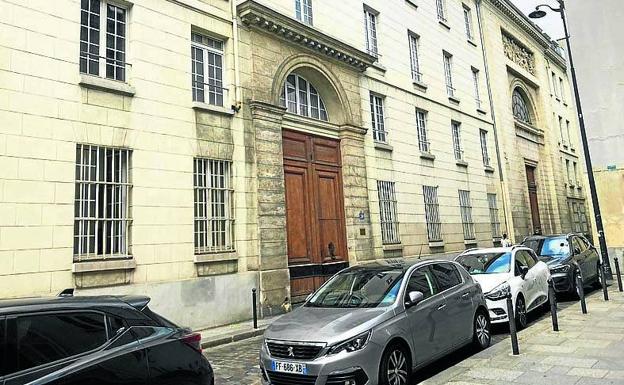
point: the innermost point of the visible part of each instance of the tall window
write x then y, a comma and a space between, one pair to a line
564, 141
465, 208
102, 202
388, 212
207, 68
415, 64
421, 127
575, 174
554, 83
475, 82
484, 148
370, 28
468, 22
494, 219
303, 11
441, 8
569, 172
448, 73
432, 213
377, 118
103, 22
519, 107
301, 98
456, 136
568, 133
562, 90
214, 214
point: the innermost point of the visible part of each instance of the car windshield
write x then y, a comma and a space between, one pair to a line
360, 288
486, 263
555, 248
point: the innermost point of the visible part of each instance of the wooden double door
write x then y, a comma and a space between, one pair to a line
315, 222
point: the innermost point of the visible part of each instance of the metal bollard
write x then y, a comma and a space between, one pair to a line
617, 273
603, 280
581, 293
254, 308
512, 326
553, 305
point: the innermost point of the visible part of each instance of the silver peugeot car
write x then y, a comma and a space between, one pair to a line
376, 324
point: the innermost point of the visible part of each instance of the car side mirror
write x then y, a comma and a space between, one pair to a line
524, 270
413, 298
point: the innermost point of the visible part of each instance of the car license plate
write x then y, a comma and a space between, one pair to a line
289, 367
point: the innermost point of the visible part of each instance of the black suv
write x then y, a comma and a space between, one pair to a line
96, 340
566, 256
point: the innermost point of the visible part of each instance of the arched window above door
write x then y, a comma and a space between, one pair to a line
301, 98
520, 106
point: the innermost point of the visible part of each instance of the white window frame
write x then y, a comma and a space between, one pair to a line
388, 213
302, 104
494, 218
448, 73
421, 129
568, 133
456, 137
569, 172
213, 229
441, 10
102, 204
484, 147
102, 60
465, 208
477, 93
554, 83
380, 134
209, 86
562, 89
432, 214
468, 22
414, 42
370, 31
303, 11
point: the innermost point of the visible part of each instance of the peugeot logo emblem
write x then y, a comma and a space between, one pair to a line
291, 352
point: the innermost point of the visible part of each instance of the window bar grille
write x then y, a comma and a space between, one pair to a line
432, 213
466, 214
494, 220
388, 212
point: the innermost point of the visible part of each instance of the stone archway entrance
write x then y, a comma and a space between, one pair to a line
315, 222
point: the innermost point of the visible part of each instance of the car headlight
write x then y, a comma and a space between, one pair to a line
351, 345
499, 292
560, 269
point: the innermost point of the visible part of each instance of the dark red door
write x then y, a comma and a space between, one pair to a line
532, 186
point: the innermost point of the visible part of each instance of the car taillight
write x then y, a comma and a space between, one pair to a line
193, 340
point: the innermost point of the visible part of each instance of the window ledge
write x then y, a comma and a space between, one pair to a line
472, 42
420, 85
377, 66
103, 84
481, 111
201, 106
427, 155
215, 257
436, 244
444, 24
103, 265
557, 98
383, 146
393, 247
489, 169
412, 3
469, 242
461, 163
454, 99
565, 103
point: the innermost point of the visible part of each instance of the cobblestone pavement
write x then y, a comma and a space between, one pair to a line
545, 357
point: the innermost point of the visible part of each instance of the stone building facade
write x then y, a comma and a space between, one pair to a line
193, 150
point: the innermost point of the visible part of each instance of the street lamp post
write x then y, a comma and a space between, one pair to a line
588, 163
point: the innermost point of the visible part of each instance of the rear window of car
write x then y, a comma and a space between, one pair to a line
160, 320
39, 339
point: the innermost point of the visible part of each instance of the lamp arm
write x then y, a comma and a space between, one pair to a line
551, 8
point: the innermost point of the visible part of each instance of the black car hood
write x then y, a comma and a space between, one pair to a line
553, 260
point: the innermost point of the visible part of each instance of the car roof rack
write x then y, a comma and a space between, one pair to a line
69, 292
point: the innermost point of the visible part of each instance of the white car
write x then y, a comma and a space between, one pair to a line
503, 270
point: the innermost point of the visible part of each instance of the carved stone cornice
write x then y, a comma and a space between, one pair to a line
266, 111
258, 16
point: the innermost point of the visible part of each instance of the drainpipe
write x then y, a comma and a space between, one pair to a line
507, 214
237, 90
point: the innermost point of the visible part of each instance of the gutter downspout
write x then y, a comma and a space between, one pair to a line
510, 230
237, 90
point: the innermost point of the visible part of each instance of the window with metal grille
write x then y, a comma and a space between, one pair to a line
441, 8
108, 58
520, 107
214, 214
465, 208
370, 29
432, 213
388, 212
301, 98
494, 219
414, 62
102, 202
456, 136
475, 82
377, 118
303, 11
207, 69
484, 147
468, 22
421, 127
448, 73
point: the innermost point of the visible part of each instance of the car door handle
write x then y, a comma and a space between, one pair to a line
466, 295
442, 306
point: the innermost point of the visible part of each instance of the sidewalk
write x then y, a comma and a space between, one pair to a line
588, 349
234, 332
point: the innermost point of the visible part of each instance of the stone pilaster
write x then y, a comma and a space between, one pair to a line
273, 264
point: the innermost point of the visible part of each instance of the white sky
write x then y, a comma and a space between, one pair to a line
551, 23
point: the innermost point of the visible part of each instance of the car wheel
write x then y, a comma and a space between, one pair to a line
521, 313
395, 366
481, 333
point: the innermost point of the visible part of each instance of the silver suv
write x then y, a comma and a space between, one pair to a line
376, 324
